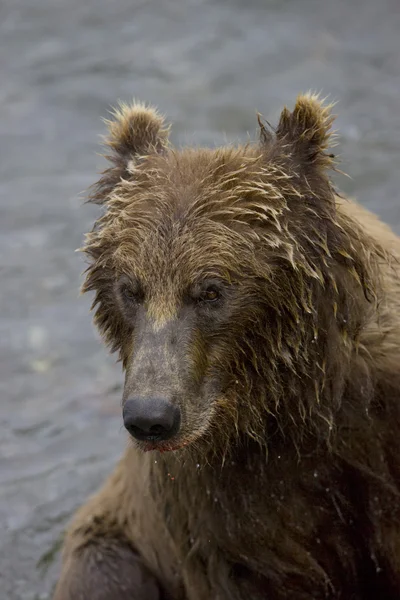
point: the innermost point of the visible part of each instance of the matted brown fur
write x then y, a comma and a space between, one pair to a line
283, 481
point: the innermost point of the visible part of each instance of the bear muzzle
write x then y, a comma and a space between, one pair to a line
151, 420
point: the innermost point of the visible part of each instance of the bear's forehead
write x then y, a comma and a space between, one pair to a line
194, 212
179, 249
192, 184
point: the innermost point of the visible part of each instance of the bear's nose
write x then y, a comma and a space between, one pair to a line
151, 419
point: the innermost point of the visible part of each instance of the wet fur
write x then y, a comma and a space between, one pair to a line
287, 485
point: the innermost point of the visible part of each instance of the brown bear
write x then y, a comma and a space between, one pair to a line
256, 313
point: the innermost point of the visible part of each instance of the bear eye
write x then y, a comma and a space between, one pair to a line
129, 291
129, 294
210, 294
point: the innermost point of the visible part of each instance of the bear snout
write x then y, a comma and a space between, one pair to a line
151, 419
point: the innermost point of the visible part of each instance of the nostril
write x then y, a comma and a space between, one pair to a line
156, 429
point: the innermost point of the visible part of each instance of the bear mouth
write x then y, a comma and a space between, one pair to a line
161, 446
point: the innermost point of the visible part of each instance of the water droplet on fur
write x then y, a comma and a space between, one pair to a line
318, 541
374, 560
327, 489
155, 462
279, 456
315, 474
198, 466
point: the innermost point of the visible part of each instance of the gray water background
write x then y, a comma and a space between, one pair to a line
209, 65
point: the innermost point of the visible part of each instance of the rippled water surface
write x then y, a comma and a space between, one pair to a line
209, 65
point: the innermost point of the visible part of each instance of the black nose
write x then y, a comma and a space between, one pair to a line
151, 419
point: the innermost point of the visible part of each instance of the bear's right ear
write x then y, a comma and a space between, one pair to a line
135, 131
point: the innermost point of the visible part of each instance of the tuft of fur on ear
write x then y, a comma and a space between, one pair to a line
135, 131
305, 133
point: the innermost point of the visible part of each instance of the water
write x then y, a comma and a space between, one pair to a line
209, 65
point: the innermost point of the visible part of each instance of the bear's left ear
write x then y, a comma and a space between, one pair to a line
304, 135
135, 131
